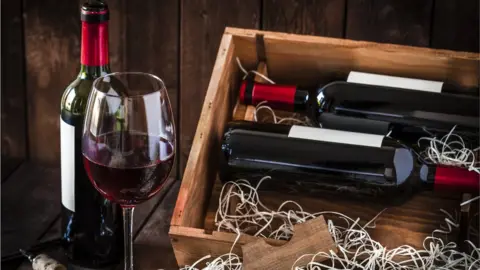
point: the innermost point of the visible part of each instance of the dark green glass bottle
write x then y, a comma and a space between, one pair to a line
92, 230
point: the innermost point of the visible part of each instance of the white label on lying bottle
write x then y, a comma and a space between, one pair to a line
393, 81
67, 160
335, 136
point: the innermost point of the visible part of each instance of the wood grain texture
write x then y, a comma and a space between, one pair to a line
12, 89
317, 17
30, 204
117, 30
414, 220
56, 253
456, 25
202, 26
52, 51
190, 244
309, 60
305, 59
201, 167
309, 237
141, 217
152, 32
389, 21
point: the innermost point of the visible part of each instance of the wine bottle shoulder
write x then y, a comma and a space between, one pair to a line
75, 96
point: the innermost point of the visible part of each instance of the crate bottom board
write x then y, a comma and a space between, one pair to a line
406, 224
191, 244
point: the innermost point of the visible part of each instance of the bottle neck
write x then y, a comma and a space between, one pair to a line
92, 72
452, 179
281, 97
94, 51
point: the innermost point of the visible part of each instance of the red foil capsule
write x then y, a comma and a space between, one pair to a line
94, 44
281, 97
453, 178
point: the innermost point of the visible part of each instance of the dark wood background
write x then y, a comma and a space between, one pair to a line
178, 41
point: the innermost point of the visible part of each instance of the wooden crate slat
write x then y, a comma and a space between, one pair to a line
191, 244
192, 202
322, 59
414, 220
240, 112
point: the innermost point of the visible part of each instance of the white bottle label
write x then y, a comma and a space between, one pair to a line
67, 159
392, 81
335, 136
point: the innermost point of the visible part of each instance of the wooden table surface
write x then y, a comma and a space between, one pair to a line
31, 214
31, 207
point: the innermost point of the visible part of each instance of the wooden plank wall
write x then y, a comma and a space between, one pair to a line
202, 25
14, 128
178, 41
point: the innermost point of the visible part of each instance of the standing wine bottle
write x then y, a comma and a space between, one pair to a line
92, 232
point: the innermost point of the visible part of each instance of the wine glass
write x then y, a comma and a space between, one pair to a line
128, 141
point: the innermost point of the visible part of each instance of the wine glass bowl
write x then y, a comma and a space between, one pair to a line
128, 141
132, 184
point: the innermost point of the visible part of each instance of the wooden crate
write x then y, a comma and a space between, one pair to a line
305, 60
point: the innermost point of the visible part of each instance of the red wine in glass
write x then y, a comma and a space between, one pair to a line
128, 168
128, 142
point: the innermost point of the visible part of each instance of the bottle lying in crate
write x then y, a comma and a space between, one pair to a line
314, 160
407, 133
421, 112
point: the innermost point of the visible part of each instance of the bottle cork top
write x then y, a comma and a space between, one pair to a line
94, 11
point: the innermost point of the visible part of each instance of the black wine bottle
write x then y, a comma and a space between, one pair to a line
434, 113
381, 100
425, 111
92, 232
317, 134
314, 160
309, 159
409, 134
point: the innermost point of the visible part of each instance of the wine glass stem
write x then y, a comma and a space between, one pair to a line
127, 233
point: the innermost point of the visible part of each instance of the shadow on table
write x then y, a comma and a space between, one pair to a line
154, 257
